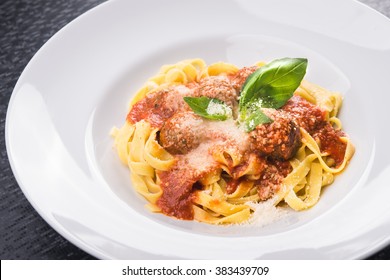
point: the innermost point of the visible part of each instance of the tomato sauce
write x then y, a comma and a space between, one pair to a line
331, 143
305, 114
312, 119
176, 199
178, 185
153, 109
232, 185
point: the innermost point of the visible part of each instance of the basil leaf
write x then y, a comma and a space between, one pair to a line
273, 83
209, 108
252, 116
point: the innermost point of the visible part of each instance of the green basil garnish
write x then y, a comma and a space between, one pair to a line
209, 108
274, 83
270, 86
253, 118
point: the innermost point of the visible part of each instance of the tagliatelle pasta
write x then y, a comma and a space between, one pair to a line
191, 167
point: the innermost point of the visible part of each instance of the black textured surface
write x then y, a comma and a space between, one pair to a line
24, 27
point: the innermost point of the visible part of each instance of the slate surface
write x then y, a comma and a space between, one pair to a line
24, 27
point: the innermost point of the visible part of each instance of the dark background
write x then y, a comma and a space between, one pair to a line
25, 25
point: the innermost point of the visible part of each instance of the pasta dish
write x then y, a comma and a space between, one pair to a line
207, 142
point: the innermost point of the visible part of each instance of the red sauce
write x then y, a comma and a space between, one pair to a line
312, 118
270, 171
176, 199
232, 185
178, 185
252, 159
330, 142
274, 173
152, 108
283, 166
305, 114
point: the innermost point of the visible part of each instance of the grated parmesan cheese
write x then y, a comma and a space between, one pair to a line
227, 131
266, 213
215, 108
199, 158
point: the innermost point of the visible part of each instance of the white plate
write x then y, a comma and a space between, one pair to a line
78, 86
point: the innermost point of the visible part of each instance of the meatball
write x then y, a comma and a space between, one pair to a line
238, 79
218, 87
279, 139
181, 133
